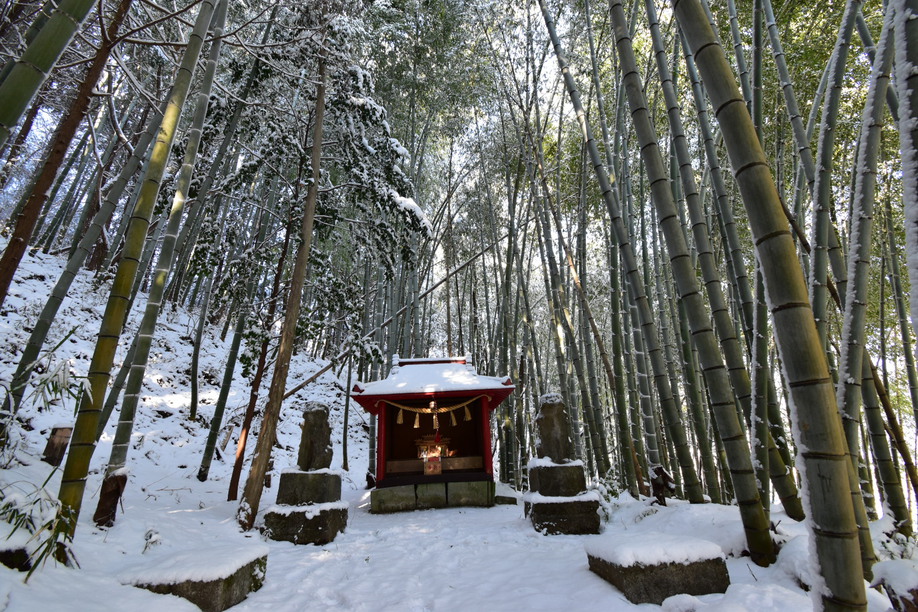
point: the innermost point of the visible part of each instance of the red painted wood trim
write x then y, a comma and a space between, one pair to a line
486, 436
382, 434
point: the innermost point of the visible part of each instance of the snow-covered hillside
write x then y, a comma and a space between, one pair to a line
454, 559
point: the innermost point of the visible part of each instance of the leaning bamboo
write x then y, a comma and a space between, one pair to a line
811, 394
82, 442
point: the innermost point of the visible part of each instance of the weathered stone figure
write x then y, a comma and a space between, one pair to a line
661, 483
558, 501
554, 429
315, 442
309, 510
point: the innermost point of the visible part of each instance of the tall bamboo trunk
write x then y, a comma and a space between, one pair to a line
25, 224
810, 386
82, 442
26, 75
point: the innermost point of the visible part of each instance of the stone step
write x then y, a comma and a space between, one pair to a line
213, 578
648, 567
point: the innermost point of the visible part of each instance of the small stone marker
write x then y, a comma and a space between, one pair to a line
558, 501
213, 579
554, 429
57, 444
315, 443
649, 567
309, 510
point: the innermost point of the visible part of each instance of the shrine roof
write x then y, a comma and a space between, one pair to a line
431, 377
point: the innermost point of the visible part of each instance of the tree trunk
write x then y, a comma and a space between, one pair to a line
251, 496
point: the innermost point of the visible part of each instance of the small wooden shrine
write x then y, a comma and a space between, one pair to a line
433, 421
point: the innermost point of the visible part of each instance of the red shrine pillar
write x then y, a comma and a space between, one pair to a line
486, 436
382, 433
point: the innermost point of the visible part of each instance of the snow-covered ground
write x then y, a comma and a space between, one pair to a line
454, 559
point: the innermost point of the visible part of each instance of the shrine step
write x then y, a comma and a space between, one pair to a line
213, 578
649, 567
432, 495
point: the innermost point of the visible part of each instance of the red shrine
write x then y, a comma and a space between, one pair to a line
433, 421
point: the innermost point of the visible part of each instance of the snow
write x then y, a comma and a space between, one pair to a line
449, 559
900, 574
538, 498
421, 377
547, 462
649, 548
170, 567
309, 511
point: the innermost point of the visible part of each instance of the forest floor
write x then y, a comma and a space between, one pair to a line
480, 559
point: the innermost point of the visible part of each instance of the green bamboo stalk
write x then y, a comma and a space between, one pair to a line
651, 336
810, 386
75, 262
82, 442
29, 72
886, 465
906, 39
711, 360
848, 394
822, 188
107, 506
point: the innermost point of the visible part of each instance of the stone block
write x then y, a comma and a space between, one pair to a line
559, 480
315, 443
654, 583
554, 429
431, 495
313, 524
470, 493
393, 499
308, 488
186, 575
565, 517
505, 500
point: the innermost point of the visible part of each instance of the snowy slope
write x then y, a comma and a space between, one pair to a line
454, 559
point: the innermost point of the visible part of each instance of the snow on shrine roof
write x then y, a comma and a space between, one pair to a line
426, 376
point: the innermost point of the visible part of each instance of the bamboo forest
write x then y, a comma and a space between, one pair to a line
429, 304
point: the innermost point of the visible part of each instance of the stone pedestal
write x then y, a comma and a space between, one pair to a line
432, 495
557, 480
312, 524
319, 487
558, 502
309, 510
567, 516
